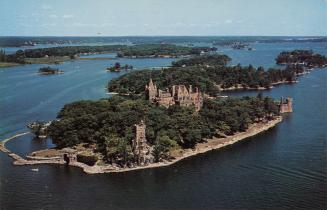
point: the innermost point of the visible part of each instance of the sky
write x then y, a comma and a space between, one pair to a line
163, 17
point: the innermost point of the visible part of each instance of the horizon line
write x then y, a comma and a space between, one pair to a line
163, 36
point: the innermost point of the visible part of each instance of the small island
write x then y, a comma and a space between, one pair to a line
117, 67
234, 44
49, 71
304, 58
240, 46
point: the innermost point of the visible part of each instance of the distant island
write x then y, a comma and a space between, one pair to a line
210, 73
61, 54
48, 71
302, 57
117, 67
234, 44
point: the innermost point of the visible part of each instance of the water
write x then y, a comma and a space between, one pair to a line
284, 167
264, 54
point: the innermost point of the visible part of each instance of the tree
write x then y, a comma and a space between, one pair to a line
117, 65
162, 147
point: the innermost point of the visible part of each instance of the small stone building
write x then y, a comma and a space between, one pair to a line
68, 155
285, 105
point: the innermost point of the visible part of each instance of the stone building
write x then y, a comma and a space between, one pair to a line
141, 150
285, 105
68, 155
177, 94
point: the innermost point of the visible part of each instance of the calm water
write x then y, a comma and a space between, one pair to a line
285, 167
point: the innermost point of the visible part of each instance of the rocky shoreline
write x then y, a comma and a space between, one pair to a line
208, 145
241, 87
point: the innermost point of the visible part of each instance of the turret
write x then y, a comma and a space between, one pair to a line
290, 104
140, 146
151, 90
285, 106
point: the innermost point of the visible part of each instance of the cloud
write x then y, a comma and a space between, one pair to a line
228, 21
46, 7
67, 16
53, 16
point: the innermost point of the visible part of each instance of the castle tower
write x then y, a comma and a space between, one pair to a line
290, 104
285, 105
151, 91
140, 138
140, 146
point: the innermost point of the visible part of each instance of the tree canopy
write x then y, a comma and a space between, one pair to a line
109, 123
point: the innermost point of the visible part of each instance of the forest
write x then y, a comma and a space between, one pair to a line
109, 123
203, 60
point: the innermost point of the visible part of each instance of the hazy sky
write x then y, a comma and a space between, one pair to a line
162, 17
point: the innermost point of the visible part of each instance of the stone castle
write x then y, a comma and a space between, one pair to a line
142, 151
285, 105
178, 94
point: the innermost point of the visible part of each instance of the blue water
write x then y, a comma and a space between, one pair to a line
283, 168
264, 54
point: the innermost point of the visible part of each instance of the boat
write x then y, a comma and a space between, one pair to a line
35, 169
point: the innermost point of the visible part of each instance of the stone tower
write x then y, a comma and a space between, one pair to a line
140, 138
141, 149
286, 105
151, 91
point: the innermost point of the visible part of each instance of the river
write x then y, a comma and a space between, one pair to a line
285, 167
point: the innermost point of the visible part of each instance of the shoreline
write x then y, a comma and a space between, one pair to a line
8, 64
208, 145
241, 87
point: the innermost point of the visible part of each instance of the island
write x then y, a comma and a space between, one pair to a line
48, 71
120, 134
117, 67
155, 129
66, 53
234, 44
210, 73
304, 58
